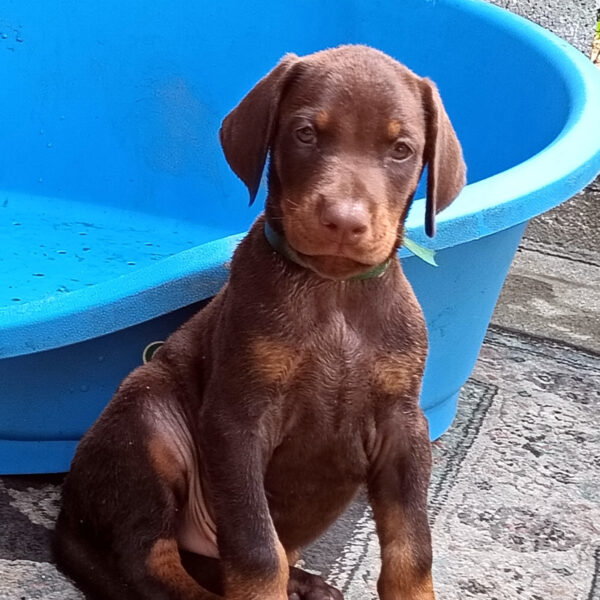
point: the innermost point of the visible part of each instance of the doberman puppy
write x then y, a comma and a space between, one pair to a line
255, 424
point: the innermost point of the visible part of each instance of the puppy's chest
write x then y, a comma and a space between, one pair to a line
336, 361
336, 347
323, 349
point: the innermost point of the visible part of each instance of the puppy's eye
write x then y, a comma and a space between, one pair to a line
306, 134
401, 151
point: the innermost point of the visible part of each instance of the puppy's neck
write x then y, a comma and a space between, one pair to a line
265, 286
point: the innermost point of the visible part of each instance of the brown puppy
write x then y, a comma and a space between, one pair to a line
254, 425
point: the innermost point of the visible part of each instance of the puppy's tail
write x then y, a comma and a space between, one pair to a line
94, 574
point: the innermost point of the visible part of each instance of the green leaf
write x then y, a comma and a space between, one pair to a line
423, 253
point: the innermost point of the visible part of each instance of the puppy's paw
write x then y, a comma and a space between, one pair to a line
305, 586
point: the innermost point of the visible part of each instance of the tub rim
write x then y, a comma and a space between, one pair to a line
511, 197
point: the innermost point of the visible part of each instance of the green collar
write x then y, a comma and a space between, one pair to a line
279, 243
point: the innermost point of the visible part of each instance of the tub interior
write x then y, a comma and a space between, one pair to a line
110, 159
59, 246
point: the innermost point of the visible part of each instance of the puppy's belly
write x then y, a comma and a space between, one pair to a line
307, 492
301, 520
307, 487
300, 514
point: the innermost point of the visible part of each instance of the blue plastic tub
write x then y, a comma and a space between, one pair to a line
118, 212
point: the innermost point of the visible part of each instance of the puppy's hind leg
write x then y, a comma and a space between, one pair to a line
91, 568
141, 562
147, 550
122, 503
138, 560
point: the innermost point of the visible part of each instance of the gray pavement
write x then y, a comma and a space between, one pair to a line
552, 296
553, 287
572, 20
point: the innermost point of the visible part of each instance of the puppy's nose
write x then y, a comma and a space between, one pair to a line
345, 222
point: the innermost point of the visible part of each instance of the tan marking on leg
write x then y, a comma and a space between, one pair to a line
165, 565
293, 556
165, 462
404, 572
394, 128
275, 362
241, 587
395, 373
322, 119
400, 578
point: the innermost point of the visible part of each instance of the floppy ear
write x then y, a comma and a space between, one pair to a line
246, 131
443, 156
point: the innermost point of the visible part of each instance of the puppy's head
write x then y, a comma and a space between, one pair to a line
349, 131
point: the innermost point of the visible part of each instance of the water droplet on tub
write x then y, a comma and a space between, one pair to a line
49, 145
41, 132
38, 274
4, 36
16, 299
19, 38
84, 388
131, 263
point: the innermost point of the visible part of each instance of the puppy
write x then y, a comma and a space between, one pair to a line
253, 427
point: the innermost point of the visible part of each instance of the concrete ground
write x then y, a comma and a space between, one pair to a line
553, 288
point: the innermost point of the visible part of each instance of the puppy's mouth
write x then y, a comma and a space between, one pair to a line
334, 266
334, 259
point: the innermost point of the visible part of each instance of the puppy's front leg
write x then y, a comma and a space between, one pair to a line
398, 482
254, 563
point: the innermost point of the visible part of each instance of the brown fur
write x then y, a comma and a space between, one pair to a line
295, 385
